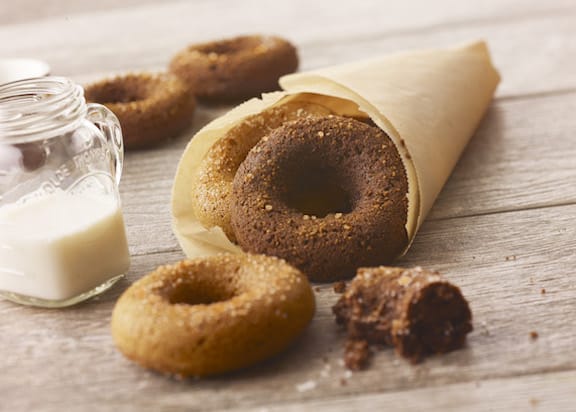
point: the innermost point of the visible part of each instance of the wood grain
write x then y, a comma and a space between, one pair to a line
26, 10
538, 58
522, 157
503, 227
539, 392
501, 275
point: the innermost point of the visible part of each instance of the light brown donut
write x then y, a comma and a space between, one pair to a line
212, 187
150, 107
212, 315
234, 69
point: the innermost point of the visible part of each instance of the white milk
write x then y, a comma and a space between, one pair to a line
60, 246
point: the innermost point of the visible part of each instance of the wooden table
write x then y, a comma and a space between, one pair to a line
504, 227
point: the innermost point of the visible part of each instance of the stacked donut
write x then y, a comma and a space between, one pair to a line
154, 107
326, 193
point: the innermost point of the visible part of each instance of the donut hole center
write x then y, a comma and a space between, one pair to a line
317, 192
220, 48
201, 293
125, 92
230, 47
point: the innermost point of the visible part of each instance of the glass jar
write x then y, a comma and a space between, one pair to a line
62, 234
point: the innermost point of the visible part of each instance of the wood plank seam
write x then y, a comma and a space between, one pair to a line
499, 212
536, 95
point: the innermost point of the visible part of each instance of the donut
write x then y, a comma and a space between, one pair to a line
234, 69
326, 194
150, 107
415, 310
212, 315
212, 185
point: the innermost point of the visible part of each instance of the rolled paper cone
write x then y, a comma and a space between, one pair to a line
429, 102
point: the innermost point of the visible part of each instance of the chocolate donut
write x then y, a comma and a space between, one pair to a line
212, 186
415, 310
234, 69
150, 107
212, 315
326, 194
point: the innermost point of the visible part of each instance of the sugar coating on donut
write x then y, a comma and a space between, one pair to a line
212, 187
327, 194
150, 107
237, 68
212, 315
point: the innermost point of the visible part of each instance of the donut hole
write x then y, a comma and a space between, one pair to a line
441, 319
228, 47
126, 91
200, 293
317, 192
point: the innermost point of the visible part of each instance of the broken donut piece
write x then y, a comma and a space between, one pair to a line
357, 354
415, 310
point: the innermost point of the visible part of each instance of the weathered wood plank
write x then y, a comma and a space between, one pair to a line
539, 57
475, 252
13, 12
537, 392
523, 156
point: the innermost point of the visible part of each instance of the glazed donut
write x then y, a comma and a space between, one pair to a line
212, 315
327, 194
150, 107
235, 69
213, 183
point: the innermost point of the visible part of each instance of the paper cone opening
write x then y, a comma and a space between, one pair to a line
429, 103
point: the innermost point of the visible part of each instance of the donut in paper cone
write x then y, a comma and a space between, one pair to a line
429, 103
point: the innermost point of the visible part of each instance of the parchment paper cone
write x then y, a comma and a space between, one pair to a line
429, 102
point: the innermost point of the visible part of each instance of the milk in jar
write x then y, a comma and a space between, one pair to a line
60, 245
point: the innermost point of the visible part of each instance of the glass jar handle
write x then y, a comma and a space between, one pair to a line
108, 123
